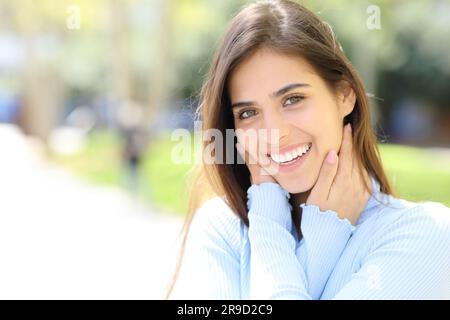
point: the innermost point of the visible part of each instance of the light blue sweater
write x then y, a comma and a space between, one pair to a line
396, 250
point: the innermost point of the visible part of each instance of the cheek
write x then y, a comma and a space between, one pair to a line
328, 136
318, 120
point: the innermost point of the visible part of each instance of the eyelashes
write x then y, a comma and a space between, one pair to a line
242, 113
248, 113
296, 98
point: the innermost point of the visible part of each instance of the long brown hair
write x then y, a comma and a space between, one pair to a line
286, 27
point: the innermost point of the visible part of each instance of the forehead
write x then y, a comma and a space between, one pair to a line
265, 71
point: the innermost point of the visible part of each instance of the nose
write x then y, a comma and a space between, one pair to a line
276, 129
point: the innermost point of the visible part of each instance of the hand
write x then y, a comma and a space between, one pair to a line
259, 167
340, 186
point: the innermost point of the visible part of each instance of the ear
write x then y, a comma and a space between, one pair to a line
346, 98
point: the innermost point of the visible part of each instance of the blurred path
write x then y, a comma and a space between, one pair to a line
61, 238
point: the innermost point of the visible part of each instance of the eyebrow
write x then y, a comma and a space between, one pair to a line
273, 95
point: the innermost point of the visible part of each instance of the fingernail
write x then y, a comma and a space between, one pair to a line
331, 157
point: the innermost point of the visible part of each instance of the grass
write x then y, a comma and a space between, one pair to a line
416, 174
99, 161
168, 182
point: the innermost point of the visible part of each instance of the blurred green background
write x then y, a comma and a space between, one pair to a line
416, 174
102, 84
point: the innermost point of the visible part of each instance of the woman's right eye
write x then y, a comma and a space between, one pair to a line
246, 114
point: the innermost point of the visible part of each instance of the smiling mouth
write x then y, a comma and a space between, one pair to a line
290, 157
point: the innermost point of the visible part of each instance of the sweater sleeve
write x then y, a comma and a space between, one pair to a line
281, 268
325, 237
210, 267
410, 259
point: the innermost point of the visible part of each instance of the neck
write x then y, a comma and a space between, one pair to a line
299, 198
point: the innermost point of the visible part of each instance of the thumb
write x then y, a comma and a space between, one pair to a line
321, 189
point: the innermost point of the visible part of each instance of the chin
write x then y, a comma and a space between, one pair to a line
298, 185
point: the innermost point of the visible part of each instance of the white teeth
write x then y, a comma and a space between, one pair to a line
289, 156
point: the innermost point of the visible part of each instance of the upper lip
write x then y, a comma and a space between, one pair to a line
287, 149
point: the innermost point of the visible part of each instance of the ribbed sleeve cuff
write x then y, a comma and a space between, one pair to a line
270, 200
325, 222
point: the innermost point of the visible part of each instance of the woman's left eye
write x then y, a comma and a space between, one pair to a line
293, 100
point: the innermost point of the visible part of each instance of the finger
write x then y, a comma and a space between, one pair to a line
325, 180
256, 171
346, 163
245, 145
361, 177
253, 149
264, 160
240, 151
254, 153
250, 144
270, 167
246, 156
362, 183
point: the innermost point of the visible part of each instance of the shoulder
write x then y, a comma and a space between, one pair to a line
216, 222
216, 213
426, 216
426, 225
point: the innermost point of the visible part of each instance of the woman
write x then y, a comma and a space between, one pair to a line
310, 215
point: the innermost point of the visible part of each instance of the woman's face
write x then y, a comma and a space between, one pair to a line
303, 122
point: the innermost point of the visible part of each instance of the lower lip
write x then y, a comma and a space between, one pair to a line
294, 164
